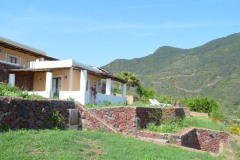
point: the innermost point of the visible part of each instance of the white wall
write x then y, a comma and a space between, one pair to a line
46, 94
71, 94
52, 64
99, 100
114, 99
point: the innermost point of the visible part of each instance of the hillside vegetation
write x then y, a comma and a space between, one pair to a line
212, 69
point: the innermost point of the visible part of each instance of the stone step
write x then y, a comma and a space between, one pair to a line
162, 140
158, 140
76, 127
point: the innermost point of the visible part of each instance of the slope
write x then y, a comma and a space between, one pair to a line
212, 69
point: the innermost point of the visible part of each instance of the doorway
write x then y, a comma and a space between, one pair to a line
56, 86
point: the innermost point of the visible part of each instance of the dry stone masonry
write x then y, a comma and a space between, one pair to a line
16, 113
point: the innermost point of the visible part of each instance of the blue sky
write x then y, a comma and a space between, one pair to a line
96, 32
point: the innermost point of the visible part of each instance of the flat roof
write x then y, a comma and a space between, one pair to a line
97, 72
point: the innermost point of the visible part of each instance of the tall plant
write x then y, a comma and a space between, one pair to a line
131, 78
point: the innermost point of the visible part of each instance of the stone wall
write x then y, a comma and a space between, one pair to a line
210, 140
189, 139
144, 114
197, 138
16, 113
123, 119
205, 139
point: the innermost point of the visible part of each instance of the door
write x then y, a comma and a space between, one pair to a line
56, 86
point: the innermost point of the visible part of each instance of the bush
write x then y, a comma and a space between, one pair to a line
107, 103
217, 114
125, 103
90, 105
71, 99
169, 126
8, 90
167, 99
57, 119
146, 92
202, 104
234, 129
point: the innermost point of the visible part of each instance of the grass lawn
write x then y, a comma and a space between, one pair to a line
71, 144
177, 124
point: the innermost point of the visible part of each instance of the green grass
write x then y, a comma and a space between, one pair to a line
202, 122
176, 124
13, 91
71, 144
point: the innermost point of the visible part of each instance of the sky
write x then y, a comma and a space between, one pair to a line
96, 32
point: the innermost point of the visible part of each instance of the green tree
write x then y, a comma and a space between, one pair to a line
146, 92
131, 78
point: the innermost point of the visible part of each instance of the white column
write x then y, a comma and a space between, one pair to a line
48, 86
70, 79
108, 86
124, 90
83, 85
11, 79
83, 80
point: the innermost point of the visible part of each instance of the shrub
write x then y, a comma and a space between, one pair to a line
234, 129
167, 99
57, 119
90, 105
8, 90
202, 104
217, 114
125, 103
156, 117
107, 103
71, 99
172, 125
146, 92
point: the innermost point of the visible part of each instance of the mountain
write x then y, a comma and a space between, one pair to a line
212, 69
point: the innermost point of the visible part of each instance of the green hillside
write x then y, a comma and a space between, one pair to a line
212, 69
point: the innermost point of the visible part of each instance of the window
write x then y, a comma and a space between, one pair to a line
13, 59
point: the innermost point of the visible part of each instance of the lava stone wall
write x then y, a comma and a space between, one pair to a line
204, 139
120, 119
123, 119
144, 114
16, 113
190, 139
209, 140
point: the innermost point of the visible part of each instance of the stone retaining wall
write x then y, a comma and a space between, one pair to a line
123, 119
16, 113
197, 138
205, 139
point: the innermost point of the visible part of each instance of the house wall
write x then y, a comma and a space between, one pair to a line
2, 55
91, 79
23, 59
39, 81
64, 73
76, 80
